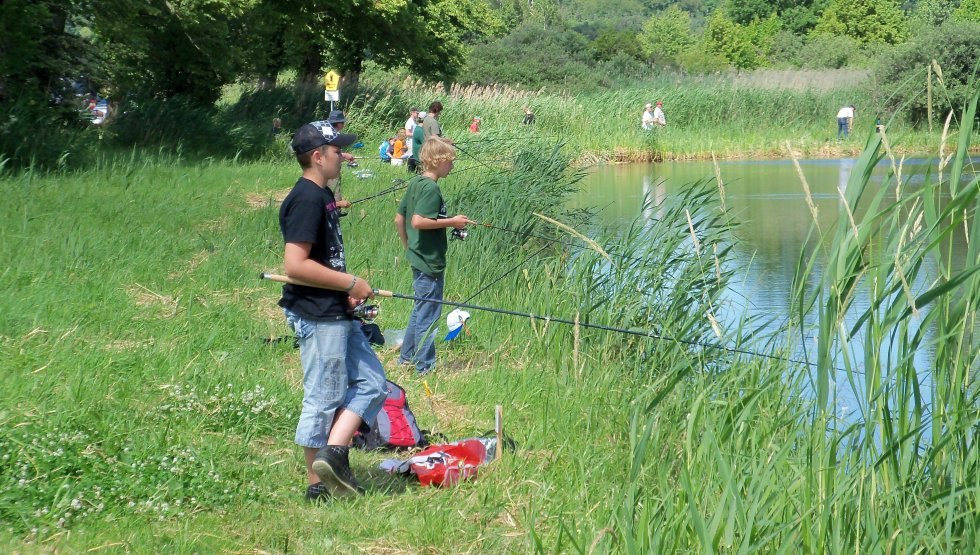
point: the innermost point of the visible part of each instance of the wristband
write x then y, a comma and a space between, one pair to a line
353, 282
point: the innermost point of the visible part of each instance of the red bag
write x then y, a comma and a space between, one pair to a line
445, 465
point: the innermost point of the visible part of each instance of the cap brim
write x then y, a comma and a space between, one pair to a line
343, 140
453, 334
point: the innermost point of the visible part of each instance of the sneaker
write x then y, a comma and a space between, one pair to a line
333, 467
425, 371
317, 493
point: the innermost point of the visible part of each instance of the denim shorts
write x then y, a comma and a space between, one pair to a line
339, 371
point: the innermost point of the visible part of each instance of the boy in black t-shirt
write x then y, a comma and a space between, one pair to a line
344, 383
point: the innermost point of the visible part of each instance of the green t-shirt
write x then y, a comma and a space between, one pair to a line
418, 138
426, 247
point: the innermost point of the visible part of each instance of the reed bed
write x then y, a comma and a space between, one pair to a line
143, 411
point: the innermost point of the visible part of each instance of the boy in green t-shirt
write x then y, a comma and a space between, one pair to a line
424, 240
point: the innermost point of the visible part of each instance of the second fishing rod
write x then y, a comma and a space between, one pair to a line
371, 311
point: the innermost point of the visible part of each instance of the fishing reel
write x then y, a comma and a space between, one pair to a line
351, 164
366, 311
459, 234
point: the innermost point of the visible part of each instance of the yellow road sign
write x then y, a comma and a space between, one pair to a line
331, 81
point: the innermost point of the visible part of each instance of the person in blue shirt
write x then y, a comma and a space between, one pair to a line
385, 149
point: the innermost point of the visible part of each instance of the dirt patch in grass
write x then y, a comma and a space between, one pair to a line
155, 304
257, 201
191, 265
121, 345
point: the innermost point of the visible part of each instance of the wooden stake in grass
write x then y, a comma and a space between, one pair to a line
498, 427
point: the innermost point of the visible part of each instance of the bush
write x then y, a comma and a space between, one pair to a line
532, 58
32, 133
954, 46
831, 52
787, 48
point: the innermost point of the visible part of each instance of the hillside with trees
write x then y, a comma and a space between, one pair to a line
162, 59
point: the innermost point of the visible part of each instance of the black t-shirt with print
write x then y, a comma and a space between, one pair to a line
309, 215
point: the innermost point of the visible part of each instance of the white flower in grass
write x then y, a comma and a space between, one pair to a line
76, 504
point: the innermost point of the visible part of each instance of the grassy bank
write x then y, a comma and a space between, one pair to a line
730, 115
142, 412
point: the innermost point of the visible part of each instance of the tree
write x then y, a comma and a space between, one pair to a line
969, 10
610, 42
954, 46
427, 36
800, 16
744, 46
164, 48
41, 49
666, 34
867, 21
932, 13
744, 12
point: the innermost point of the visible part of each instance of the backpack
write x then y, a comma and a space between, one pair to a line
395, 427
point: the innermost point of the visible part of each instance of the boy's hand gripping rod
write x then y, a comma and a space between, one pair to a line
292, 281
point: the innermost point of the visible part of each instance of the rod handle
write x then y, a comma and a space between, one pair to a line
285, 279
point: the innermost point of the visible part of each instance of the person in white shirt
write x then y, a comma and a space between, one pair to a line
410, 125
647, 121
845, 120
658, 115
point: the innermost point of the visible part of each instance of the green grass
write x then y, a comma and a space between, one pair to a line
142, 412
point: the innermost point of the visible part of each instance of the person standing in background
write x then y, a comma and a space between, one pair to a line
659, 119
845, 119
528, 116
410, 124
646, 121
430, 125
418, 137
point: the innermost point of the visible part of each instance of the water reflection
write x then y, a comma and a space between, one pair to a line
768, 202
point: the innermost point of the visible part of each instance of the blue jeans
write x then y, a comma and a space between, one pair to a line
419, 346
842, 127
339, 371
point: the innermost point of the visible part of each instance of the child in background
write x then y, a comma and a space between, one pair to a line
475, 125
400, 149
425, 242
384, 150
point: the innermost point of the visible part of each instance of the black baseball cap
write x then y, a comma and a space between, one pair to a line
315, 134
336, 116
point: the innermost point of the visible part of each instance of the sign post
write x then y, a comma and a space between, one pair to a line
331, 87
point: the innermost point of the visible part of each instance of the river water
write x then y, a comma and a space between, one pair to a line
768, 201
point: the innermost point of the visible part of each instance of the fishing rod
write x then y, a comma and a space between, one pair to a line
373, 312
401, 184
514, 138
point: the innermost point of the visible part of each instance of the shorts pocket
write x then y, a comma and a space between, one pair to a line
302, 328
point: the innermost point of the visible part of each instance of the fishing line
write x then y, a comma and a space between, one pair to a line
499, 139
637, 333
475, 159
401, 184
558, 241
505, 274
